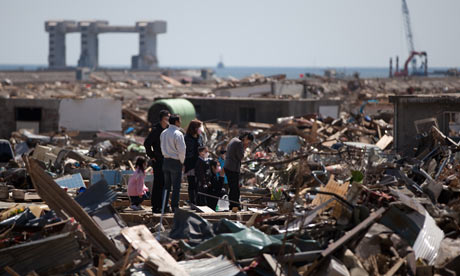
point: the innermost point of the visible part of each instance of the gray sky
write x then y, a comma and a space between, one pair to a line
246, 32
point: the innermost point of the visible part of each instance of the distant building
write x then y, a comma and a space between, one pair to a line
50, 115
416, 114
275, 88
263, 110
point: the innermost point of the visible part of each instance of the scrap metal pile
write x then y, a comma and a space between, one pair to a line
320, 196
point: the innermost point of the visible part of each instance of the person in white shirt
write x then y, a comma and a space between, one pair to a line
173, 150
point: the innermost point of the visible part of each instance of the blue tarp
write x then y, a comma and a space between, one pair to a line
71, 181
289, 144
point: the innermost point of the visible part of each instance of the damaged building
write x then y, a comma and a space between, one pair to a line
242, 110
416, 114
52, 115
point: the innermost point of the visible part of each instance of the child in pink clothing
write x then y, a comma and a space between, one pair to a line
136, 187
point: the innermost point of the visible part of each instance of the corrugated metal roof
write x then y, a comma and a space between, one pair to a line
44, 254
96, 196
218, 266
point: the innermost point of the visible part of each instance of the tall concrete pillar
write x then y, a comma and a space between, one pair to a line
56, 45
89, 55
147, 58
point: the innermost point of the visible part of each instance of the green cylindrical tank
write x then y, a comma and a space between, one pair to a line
183, 107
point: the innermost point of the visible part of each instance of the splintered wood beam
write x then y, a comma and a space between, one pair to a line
65, 206
150, 249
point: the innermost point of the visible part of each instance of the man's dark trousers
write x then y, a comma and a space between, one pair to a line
172, 170
158, 185
234, 186
192, 189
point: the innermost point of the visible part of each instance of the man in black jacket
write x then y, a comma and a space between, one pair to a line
153, 150
235, 153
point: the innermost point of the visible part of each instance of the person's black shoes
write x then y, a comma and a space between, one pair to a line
167, 210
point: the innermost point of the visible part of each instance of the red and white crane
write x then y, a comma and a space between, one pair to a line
412, 59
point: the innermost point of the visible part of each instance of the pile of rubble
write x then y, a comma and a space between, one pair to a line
126, 85
319, 196
127, 88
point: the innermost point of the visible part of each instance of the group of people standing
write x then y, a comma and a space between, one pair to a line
174, 155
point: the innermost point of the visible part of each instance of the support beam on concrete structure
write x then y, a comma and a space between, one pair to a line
147, 58
89, 55
57, 31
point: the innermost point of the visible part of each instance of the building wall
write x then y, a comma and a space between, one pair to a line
49, 114
276, 88
410, 109
244, 91
91, 114
84, 115
288, 88
240, 111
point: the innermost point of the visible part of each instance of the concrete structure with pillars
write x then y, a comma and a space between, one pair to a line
146, 59
415, 114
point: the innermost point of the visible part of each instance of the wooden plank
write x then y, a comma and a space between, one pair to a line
259, 125
31, 196
171, 80
274, 265
146, 217
395, 268
18, 194
125, 261
136, 116
332, 187
252, 220
11, 271
346, 238
90, 272
100, 265
314, 133
125, 203
37, 211
363, 130
58, 200
130, 256
379, 132
384, 142
334, 138
204, 209
350, 234
131, 165
150, 249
